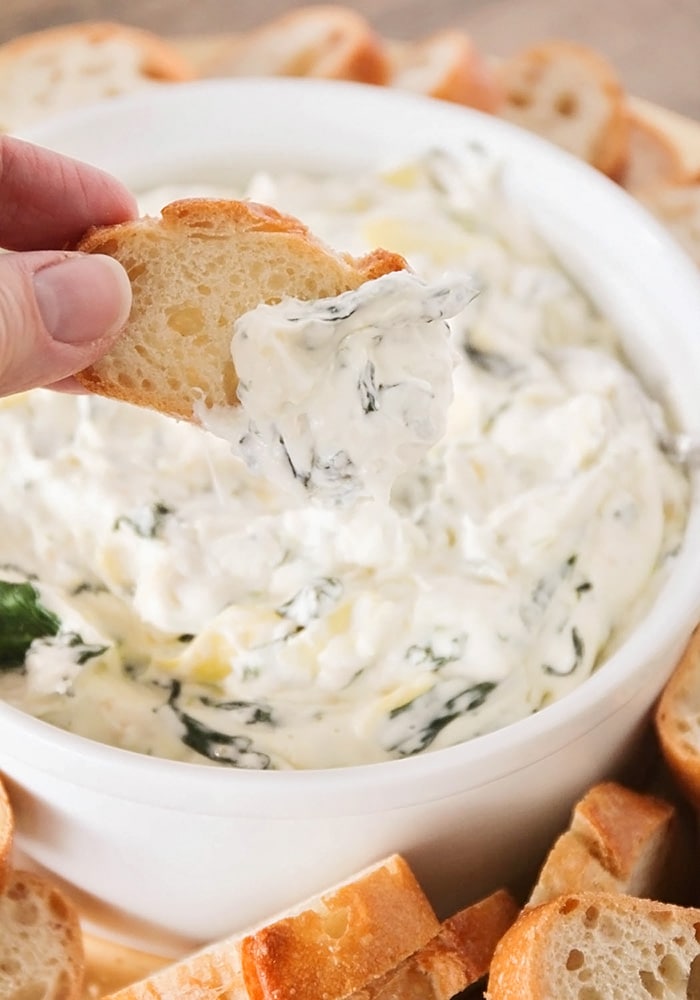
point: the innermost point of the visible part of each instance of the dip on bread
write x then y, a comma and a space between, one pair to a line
157, 595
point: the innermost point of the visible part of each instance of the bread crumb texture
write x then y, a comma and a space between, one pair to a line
41, 952
600, 947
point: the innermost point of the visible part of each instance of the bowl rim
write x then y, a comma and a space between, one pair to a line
676, 608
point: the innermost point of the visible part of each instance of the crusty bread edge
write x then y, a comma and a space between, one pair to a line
161, 60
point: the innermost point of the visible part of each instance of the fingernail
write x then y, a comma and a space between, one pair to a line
83, 298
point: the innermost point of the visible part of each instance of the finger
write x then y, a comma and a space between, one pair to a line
59, 312
69, 385
48, 201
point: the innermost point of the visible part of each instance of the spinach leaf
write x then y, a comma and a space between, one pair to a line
222, 748
22, 620
422, 719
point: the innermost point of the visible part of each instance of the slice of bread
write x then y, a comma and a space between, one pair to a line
327, 41
193, 273
7, 829
58, 69
677, 718
41, 951
677, 206
618, 841
599, 946
329, 947
448, 66
456, 958
570, 95
653, 157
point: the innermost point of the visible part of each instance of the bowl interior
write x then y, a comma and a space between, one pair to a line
222, 131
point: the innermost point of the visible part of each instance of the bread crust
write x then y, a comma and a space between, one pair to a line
652, 156
330, 946
194, 271
7, 830
448, 66
324, 41
618, 840
160, 59
677, 721
544, 951
607, 145
335, 948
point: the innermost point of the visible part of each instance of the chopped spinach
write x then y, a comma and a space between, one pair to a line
431, 714
248, 712
367, 387
490, 362
312, 601
146, 523
237, 751
437, 654
22, 620
579, 651
84, 651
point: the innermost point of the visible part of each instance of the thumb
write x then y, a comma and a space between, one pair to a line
59, 312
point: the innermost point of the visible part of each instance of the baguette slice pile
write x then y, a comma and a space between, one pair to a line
566, 92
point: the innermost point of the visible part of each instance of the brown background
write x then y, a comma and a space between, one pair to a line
654, 44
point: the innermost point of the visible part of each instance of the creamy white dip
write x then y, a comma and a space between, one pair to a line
340, 396
159, 596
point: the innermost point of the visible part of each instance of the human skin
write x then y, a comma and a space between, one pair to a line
59, 310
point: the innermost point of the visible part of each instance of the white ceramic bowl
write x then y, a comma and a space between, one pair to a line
188, 853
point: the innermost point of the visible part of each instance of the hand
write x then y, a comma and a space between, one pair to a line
59, 311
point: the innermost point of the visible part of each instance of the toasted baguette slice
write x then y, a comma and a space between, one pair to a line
193, 273
328, 41
7, 829
456, 958
618, 841
571, 96
62, 68
677, 719
653, 157
41, 951
598, 945
330, 946
448, 66
677, 206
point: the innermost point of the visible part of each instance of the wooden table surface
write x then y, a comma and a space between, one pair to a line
654, 44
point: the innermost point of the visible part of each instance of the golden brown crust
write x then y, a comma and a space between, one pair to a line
323, 41
448, 66
652, 156
618, 841
677, 721
194, 272
335, 949
7, 829
160, 59
559, 949
332, 945
522, 74
456, 958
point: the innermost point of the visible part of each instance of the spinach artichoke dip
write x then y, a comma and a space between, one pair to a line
158, 595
